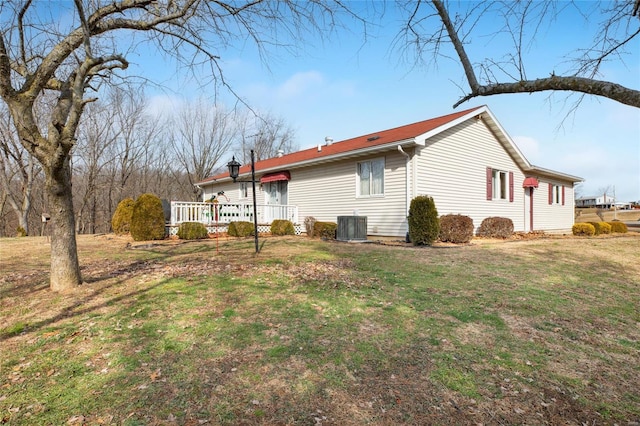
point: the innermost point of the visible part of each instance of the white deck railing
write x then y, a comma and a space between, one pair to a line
211, 213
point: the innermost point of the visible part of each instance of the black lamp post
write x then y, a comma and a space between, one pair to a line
234, 171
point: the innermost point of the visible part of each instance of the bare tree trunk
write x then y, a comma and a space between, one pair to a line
65, 268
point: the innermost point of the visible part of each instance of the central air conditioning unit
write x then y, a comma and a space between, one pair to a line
352, 228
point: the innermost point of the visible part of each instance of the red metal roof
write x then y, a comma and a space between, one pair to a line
383, 137
530, 182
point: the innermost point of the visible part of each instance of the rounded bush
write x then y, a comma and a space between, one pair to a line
147, 220
456, 228
424, 225
601, 227
192, 231
585, 229
21, 232
282, 227
618, 227
309, 223
240, 229
325, 230
121, 220
496, 227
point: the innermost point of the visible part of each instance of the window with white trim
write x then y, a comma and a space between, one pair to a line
499, 184
370, 181
556, 194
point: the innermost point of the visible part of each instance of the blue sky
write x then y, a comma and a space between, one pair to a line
345, 87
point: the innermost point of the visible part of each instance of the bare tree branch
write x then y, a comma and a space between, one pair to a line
573, 83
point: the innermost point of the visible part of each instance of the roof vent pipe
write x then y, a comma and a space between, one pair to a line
328, 140
279, 153
319, 147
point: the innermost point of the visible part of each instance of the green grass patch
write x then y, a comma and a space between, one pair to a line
312, 332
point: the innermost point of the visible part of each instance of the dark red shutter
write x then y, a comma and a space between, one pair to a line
550, 193
489, 185
563, 195
511, 187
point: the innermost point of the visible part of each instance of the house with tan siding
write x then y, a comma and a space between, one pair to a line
466, 161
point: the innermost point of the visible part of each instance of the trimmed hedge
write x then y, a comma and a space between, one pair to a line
582, 228
618, 227
147, 219
424, 225
121, 220
496, 227
240, 229
456, 228
192, 231
325, 230
601, 227
282, 227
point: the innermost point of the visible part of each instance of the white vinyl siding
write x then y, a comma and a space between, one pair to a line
232, 192
328, 190
452, 168
554, 216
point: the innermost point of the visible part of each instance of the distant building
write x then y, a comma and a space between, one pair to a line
603, 201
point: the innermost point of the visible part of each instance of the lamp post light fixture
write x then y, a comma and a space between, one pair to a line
234, 168
234, 171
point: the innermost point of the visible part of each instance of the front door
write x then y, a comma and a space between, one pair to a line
276, 200
528, 209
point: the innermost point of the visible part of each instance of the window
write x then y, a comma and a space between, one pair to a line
244, 190
499, 185
371, 178
556, 194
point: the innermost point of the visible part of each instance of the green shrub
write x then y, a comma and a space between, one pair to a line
121, 220
496, 227
325, 230
241, 229
586, 229
192, 231
147, 220
282, 227
21, 232
618, 227
424, 225
456, 228
601, 227
309, 222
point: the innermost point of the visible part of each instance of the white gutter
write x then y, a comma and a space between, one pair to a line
406, 185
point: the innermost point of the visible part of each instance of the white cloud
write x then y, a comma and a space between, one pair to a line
301, 84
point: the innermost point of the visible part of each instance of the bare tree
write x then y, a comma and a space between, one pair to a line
40, 52
96, 134
266, 135
201, 135
433, 23
138, 147
18, 171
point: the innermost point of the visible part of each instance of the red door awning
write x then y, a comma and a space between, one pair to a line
274, 177
530, 182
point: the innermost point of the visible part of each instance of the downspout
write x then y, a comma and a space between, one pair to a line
406, 185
